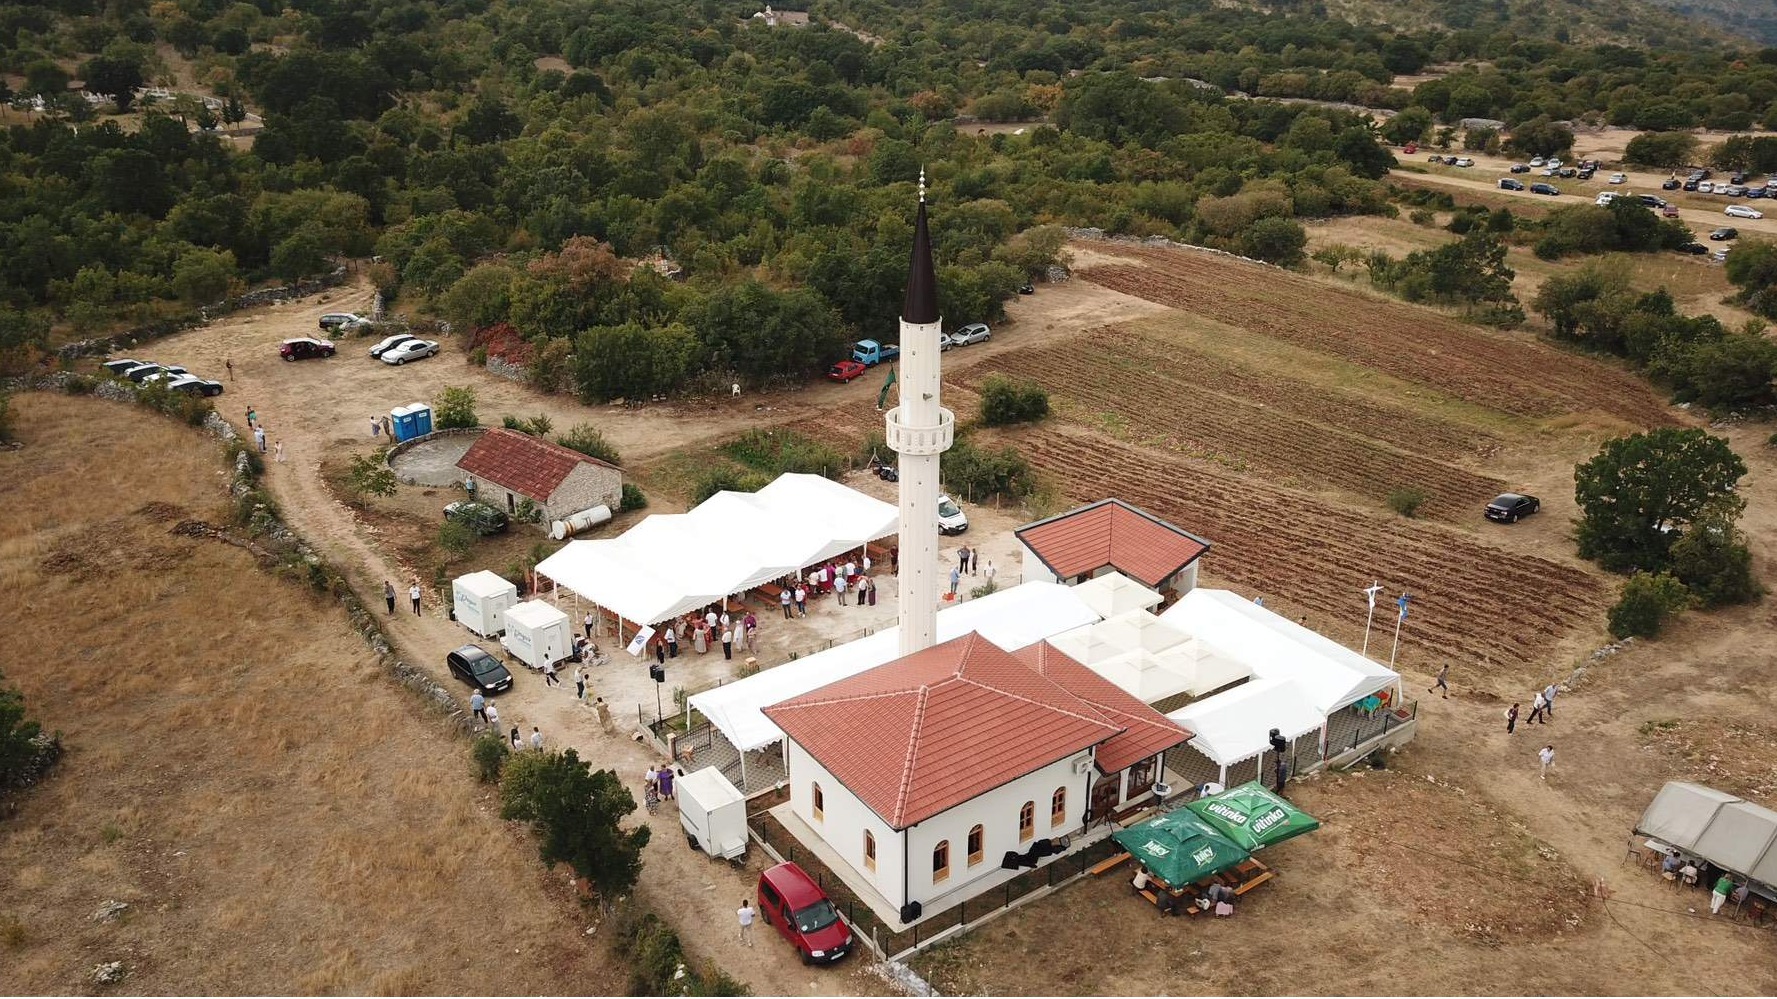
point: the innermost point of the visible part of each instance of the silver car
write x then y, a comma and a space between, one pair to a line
972, 333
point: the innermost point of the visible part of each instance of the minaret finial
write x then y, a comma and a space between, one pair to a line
922, 185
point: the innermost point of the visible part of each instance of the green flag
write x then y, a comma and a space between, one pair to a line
1253, 817
1179, 847
882, 397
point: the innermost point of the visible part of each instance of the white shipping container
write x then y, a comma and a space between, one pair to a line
713, 813
537, 633
480, 601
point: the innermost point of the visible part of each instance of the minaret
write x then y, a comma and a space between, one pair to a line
919, 430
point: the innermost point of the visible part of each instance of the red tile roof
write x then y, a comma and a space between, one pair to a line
529, 466
927, 732
1146, 732
1111, 532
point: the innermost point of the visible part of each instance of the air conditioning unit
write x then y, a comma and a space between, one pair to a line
1083, 765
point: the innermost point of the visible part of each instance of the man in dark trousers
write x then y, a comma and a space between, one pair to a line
389, 595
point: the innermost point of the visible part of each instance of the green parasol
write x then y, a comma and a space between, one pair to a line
1180, 847
1253, 817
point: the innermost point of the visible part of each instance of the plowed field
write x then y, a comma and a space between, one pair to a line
1471, 602
1512, 374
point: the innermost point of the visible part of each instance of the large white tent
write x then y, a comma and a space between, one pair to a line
1236, 725
1011, 618
670, 564
1727, 831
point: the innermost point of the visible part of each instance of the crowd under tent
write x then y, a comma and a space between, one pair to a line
1729, 832
1011, 619
671, 564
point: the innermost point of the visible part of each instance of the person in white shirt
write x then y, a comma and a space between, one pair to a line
745, 915
1547, 756
710, 619
536, 739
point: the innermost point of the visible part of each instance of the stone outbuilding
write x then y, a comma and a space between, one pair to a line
509, 467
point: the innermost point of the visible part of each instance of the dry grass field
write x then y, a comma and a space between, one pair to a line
278, 817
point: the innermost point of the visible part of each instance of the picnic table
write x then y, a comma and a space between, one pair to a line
1243, 877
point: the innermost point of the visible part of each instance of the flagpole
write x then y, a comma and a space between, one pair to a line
1399, 618
1371, 592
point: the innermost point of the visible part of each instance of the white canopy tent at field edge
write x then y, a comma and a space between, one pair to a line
670, 564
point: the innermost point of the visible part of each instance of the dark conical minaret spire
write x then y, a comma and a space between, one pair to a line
921, 304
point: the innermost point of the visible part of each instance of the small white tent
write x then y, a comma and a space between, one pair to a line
480, 600
537, 634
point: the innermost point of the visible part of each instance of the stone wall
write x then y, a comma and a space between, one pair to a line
100, 346
409, 444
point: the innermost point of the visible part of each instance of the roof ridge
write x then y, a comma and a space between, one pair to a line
1058, 709
909, 758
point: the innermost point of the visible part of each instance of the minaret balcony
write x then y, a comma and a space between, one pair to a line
904, 438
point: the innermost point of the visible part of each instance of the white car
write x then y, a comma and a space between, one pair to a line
1538, 161
1464, 161
951, 518
409, 350
972, 333
1706, 187
1619, 178
385, 343
336, 320
1742, 212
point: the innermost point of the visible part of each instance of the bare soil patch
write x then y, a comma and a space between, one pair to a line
239, 773
1737, 757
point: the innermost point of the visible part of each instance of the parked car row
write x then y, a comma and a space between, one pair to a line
173, 376
403, 347
972, 333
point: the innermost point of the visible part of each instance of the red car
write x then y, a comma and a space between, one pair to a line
845, 371
791, 901
304, 346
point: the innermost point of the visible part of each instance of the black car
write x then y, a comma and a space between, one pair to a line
1690, 185
122, 364
1694, 249
1508, 184
1548, 189
1027, 289
1520, 168
479, 670
193, 385
1737, 178
1587, 172
1669, 184
1725, 232
1569, 172
1507, 508
484, 518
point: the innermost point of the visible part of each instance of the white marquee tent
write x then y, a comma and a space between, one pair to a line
1012, 619
670, 564
1727, 831
1236, 725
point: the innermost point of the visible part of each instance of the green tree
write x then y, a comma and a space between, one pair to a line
43, 78
1005, 401
202, 276
1367, 157
1035, 250
457, 537
1712, 560
455, 409
590, 441
1408, 126
632, 361
301, 256
370, 475
1276, 240
1640, 491
479, 298
1541, 137
576, 812
116, 75
18, 736
1661, 149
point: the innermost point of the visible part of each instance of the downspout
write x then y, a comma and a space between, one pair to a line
904, 871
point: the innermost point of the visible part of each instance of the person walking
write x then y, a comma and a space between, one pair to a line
550, 678
376, 427
1724, 886
801, 600
660, 650
603, 710
783, 598
1443, 681
1511, 718
895, 560
536, 739
229, 364
666, 781
588, 625
477, 707
745, 914
990, 571
839, 589
278, 452
1547, 756
1537, 706
413, 594
516, 739
974, 561
389, 596
252, 417
672, 643
492, 717
1549, 693
728, 643
956, 577
259, 438
389, 432
579, 683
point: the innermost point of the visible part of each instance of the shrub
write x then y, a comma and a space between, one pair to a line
5, 417
369, 475
455, 409
80, 384
633, 498
1421, 216
730, 478
1649, 600
1712, 560
457, 537
528, 512
1406, 501
590, 441
978, 474
1006, 401
576, 812
18, 736
774, 452
658, 963
489, 753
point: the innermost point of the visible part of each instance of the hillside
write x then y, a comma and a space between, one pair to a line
1749, 20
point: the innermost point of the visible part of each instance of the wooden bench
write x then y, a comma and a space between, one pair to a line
878, 554
1254, 883
1107, 864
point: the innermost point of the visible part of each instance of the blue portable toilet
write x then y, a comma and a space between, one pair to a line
422, 418
402, 419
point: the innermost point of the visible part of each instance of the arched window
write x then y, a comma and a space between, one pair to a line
1058, 807
818, 801
869, 850
1027, 821
940, 861
977, 837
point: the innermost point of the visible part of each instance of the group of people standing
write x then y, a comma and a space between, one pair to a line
258, 429
968, 561
842, 579
715, 626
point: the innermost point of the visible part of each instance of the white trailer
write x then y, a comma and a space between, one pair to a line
537, 634
713, 813
480, 601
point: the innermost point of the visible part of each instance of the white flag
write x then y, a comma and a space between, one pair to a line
1371, 591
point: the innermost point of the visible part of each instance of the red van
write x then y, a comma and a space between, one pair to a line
791, 901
